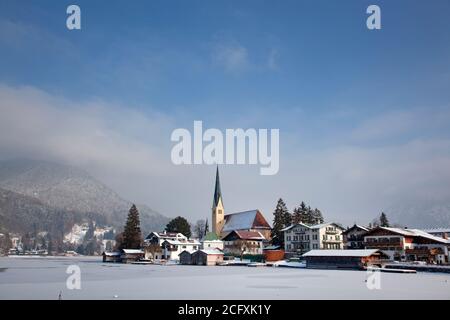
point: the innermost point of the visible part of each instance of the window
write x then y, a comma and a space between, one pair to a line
220, 211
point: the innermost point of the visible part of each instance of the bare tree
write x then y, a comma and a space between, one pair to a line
199, 228
153, 248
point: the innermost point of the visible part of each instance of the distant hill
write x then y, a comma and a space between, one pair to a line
425, 215
21, 214
48, 188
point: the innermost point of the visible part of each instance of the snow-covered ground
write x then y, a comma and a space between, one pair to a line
45, 278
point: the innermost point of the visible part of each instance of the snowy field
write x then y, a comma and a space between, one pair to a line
45, 278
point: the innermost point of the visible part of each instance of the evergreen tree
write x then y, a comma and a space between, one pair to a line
297, 215
181, 225
317, 216
303, 213
206, 227
281, 219
132, 232
384, 222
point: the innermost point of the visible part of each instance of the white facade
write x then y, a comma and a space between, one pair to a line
172, 248
212, 244
300, 238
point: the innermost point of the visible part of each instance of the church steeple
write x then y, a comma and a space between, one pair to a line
217, 192
217, 208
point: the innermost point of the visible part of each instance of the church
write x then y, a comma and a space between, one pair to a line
223, 224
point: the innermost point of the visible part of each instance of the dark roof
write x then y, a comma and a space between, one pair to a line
356, 227
245, 235
252, 219
217, 192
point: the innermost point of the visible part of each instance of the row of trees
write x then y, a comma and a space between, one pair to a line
131, 237
282, 218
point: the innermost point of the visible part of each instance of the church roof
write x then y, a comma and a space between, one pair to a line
217, 191
210, 236
252, 219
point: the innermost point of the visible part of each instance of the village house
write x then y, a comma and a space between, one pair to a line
300, 238
344, 259
131, 255
408, 244
354, 237
171, 249
207, 257
223, 224
239, 242
204, 257
153, 243
185, 257
111, 256
211, 241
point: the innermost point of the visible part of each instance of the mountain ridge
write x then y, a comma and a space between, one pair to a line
60, 187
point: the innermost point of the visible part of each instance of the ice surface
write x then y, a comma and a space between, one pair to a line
44, 278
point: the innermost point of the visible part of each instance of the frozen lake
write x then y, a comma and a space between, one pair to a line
45, 278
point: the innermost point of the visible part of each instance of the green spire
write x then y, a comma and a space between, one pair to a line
217, 192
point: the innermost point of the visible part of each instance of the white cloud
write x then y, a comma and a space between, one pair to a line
233, 57
130, 151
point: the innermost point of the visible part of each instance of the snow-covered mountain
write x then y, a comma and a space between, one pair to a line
69, 189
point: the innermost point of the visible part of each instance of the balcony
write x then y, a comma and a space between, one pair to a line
383, 244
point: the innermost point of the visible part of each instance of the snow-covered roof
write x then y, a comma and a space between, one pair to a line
246, 235
415, 233
424, 234
340, 253
182, 243
240, 220
211, 251
295, 225
405, 232
437, 230
111, 254
132, 251
326, 224
165, 235
244, 220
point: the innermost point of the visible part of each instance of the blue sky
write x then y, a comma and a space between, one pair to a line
310, 68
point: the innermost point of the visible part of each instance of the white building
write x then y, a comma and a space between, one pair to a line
153, 243
211, 241
171, 249
300, 238
408, 244
160, 237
